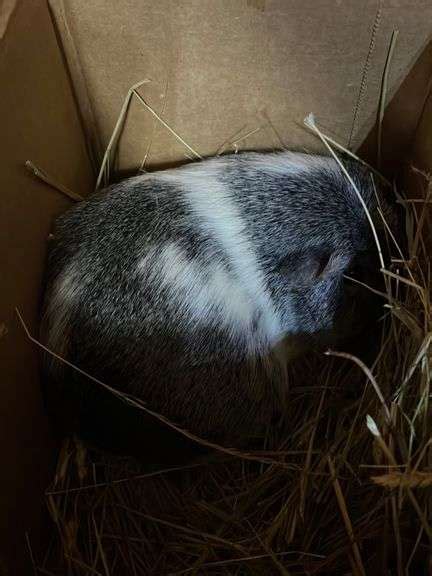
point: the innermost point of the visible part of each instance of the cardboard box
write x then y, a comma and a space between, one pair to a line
218, 71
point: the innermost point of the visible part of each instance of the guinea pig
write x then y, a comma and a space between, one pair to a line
191, 288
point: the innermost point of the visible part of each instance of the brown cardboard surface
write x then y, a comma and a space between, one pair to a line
217, 65
78, 84
421, 154
38, 122
418, 169
404, 121
7, 8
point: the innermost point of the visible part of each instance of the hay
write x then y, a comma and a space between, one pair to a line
383, 95
41, 175
343, 488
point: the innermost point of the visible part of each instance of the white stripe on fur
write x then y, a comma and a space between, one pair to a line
219, 216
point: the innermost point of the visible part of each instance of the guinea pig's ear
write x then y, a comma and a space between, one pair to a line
311, 265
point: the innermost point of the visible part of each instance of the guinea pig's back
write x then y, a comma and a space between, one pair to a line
144, 297
135, 262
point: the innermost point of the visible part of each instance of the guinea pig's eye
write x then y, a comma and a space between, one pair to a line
322, 263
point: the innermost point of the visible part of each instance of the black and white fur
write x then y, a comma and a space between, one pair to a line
188, 288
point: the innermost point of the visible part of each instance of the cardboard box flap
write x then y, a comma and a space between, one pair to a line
38, 122
404, 119
242, 73
7, 8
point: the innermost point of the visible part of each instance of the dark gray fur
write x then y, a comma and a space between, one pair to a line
120, 322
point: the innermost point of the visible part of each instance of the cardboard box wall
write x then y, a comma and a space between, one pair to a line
218, 69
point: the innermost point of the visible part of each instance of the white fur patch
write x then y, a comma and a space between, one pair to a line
208, 295
219, 216
279, 163
146, 264
63, 297
284, 163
